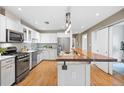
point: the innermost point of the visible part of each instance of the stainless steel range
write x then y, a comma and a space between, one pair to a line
21, 63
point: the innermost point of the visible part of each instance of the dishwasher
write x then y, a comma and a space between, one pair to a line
34, 59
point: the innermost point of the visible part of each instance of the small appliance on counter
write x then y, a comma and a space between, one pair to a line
22, 61
24, 49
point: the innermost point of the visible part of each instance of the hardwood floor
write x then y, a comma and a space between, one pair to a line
100, 78
45, 74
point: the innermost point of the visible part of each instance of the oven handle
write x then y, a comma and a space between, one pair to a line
24, 59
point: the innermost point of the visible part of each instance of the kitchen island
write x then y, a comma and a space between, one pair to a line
74, 69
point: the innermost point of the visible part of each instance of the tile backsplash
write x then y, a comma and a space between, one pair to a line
18, 45
30, 46
41, 45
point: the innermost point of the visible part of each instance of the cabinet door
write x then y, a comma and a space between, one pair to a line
41, 56
53, 53
8, 75
2, 28
12, 22
52, 38
3, 76
46, 54
38, 58
75, 75
49, 38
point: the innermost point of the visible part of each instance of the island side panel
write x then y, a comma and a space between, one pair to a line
87, 74
75, 75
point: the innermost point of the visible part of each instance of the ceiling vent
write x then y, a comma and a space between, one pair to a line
46, 22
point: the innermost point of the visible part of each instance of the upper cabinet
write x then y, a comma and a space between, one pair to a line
27, 34
48, 38
30, 35
13, 22
2, 28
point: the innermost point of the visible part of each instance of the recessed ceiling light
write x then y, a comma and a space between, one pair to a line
97, 14
20, 9
36, 22
82, 26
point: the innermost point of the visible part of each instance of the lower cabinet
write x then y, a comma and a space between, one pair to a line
52, 54
76, 74
38, 58
49, 54
46, 54
8, 72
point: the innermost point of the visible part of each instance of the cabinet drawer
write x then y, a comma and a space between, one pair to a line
7, 62
8, 75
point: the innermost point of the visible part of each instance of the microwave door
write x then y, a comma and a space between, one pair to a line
22, 38
13, 36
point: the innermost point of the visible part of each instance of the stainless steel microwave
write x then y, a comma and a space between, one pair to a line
14, 36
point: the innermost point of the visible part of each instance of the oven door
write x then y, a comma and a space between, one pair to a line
22, 65
13, 36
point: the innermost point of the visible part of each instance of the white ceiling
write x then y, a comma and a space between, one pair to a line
80, 16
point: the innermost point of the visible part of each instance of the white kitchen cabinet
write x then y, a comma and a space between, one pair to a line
52, 53
38, 58
41, 56
35, 36
49, 54
7, 72
48, 38
77, 74
13, 22
27, 34
46, 54
2, 28
30, 35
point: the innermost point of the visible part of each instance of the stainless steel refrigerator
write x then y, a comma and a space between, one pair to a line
63, 44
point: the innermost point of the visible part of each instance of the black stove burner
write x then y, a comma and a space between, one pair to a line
13, 51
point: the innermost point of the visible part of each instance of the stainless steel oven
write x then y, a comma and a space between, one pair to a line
14, 36
22, 66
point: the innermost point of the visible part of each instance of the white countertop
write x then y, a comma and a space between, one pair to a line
5, 57
42, 49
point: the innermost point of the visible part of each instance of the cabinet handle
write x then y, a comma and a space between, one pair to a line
8, 67
8, 61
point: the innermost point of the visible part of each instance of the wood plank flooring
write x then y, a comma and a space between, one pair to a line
45, 74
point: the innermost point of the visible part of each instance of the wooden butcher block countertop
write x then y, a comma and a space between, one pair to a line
82, 56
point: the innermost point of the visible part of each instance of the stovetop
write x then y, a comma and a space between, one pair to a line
18, 54
13, 51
